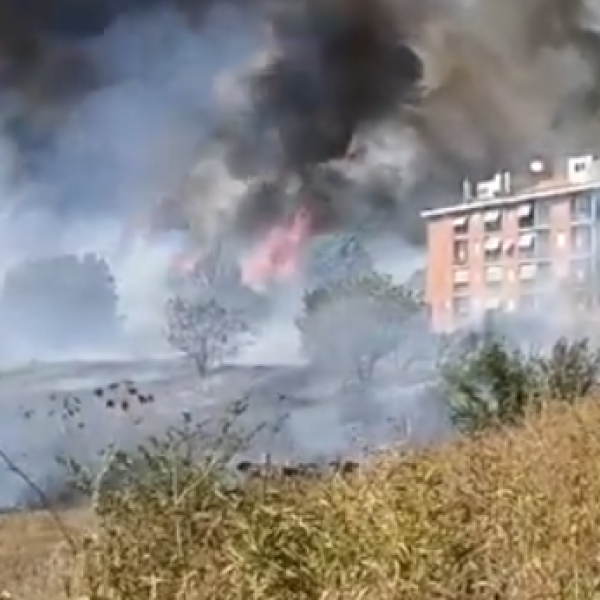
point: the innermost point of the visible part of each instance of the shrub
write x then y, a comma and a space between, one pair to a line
571, 370
491, 382
511, 514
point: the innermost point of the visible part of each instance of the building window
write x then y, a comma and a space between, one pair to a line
461, 225
543, 243
542, 213
494, 275
492, 221
494, 279
534, 245
508, 247
461, 280
461, 252
493, 303
492, 249
581, 207
526, 245
525, 216
595, 196
527, 272
581, 239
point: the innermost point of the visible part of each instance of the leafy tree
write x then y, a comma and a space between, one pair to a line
352, 324
61, 299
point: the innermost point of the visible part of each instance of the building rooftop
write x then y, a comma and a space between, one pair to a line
542, 179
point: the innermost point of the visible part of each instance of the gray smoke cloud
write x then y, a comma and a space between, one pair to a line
80, 172
375, 109
441, 90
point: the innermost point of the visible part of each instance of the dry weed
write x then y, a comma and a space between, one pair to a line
509, 514
513, 514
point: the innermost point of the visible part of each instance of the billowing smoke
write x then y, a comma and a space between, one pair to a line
371, 112
82, 170
244, 113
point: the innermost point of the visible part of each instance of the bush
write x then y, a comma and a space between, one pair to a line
571, 371
353, 323
491, 382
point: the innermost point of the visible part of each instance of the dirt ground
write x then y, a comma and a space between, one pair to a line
35, 558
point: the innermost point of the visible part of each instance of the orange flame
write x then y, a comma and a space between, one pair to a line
278, 256
185, 263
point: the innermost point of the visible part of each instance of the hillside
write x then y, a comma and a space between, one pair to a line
512, 514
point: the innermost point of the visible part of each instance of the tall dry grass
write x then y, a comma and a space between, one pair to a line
510, 514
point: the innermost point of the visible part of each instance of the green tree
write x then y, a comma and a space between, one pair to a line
350, 325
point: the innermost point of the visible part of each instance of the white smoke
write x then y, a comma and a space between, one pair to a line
120, 150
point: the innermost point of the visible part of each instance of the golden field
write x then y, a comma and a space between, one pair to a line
511, 514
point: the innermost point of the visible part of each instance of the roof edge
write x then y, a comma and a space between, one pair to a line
495, 203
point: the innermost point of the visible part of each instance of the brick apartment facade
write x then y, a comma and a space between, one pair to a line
515, 241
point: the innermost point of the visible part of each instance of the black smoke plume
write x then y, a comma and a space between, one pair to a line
459, 87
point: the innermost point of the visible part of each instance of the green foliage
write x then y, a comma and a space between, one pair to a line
571, 370
490, 382
353, 323
488, 385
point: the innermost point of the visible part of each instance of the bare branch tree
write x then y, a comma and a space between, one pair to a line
209, 320
204, 331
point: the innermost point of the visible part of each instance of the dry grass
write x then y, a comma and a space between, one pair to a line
514, 514
36, 562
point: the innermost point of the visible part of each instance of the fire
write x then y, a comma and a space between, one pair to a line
185, 263
276, 257
279, 255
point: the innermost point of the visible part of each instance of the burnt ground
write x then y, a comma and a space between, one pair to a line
291, 412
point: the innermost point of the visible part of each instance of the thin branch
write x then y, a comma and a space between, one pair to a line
14, 468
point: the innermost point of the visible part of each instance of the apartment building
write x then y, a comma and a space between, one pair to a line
518, 241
